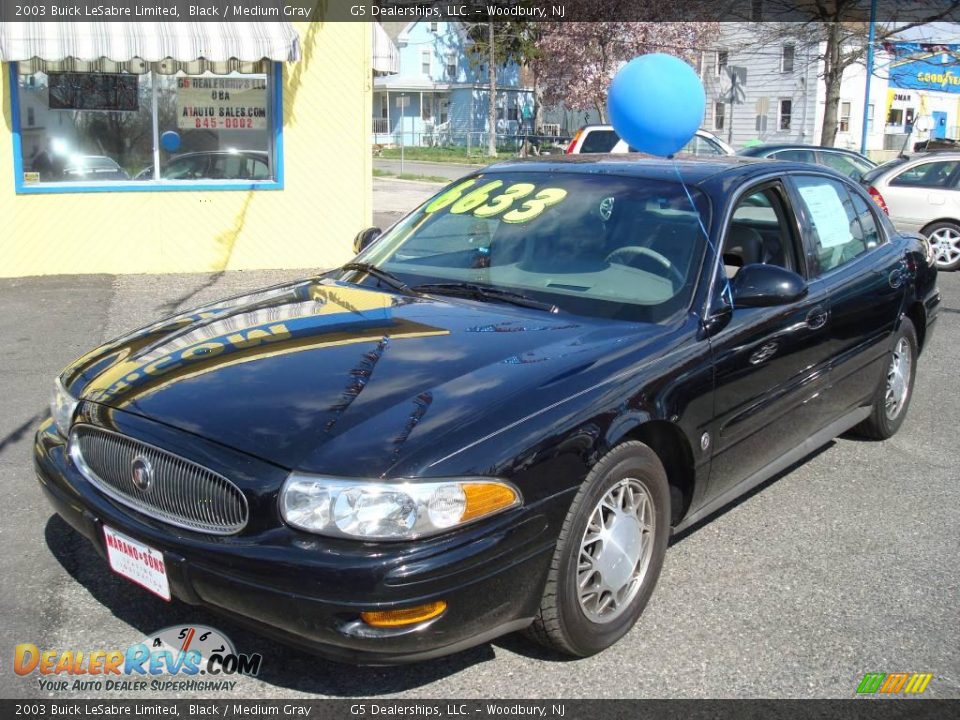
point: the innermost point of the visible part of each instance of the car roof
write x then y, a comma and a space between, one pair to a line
194, 153
755, 150
692, 169
600, 126
931, 155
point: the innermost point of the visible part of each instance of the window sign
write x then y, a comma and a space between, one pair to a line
827, 213
222, 103
95, 129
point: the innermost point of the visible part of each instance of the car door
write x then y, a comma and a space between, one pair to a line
771, 364
863, 274
922, 193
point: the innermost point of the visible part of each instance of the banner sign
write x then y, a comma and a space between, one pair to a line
222, 103
923, 66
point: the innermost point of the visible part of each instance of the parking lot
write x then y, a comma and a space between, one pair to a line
843, 565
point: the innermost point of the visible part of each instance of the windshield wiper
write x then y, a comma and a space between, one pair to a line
483, 292
388, 278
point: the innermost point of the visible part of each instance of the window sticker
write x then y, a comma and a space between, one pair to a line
514, 203
828, 214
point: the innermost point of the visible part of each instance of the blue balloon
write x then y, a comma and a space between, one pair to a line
656, 103
170, 141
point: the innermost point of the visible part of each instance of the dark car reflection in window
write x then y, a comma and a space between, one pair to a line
213, 165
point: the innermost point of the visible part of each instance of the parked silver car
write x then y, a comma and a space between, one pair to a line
921, 193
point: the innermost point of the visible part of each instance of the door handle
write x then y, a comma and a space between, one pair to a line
817, 318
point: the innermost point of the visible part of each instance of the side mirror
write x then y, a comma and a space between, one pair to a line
365, 238
765, 286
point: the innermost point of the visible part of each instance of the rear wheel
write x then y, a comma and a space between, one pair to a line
608, 555
944, 237
892, 398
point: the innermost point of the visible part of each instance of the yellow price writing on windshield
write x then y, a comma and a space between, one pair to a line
535, 205
481, 203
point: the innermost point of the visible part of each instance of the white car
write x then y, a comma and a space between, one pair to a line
604, 139
921, 193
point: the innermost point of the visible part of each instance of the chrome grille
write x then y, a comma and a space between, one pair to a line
171, 489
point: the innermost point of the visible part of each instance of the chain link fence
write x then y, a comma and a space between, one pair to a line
471, 145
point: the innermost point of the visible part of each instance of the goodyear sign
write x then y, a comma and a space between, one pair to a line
923, 66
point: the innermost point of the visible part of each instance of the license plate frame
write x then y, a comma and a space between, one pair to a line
137, 562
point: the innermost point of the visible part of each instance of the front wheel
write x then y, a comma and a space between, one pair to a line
892, 398
609, 554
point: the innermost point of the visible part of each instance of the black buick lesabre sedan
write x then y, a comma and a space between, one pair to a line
495, 417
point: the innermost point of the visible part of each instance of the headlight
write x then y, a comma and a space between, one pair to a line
62, 406
403, 510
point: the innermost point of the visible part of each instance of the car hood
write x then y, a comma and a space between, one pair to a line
327, 377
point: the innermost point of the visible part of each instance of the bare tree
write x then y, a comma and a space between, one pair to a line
836, 34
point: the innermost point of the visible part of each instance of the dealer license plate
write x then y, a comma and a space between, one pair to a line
137, 562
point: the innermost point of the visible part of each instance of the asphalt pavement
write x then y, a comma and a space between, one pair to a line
843, 565
392, 199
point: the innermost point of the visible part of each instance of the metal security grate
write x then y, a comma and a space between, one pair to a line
158, 483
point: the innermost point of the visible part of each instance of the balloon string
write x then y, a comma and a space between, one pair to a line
726, 287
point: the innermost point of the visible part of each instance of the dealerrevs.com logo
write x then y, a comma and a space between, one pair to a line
894, 683
175, 659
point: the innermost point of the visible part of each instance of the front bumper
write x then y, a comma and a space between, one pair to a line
308, 591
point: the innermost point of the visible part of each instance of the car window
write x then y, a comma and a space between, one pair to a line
845, 164
806, 156
702, 146
600, 245
260, 170
876, 172
837, 233
599, 141
758, 232
186, 168
930, 174
868, 223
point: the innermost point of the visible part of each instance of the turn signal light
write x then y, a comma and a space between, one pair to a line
878, 199
407, 616
573, 143
486, 498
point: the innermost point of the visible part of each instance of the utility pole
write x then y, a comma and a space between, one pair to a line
866, 92
492, 105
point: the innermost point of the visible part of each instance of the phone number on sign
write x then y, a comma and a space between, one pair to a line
224, 123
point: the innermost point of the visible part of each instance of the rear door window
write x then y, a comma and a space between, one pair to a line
806, 156
929, 175
838, 236
844, 164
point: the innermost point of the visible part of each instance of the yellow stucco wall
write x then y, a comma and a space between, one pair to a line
310, 223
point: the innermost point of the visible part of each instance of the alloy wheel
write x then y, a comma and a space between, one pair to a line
898, 378
946, 245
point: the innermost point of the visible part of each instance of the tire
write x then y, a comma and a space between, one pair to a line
882, 424
945, 238
572, 626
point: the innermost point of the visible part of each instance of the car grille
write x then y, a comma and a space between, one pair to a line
158, 483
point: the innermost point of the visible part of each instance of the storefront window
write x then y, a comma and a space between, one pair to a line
80, 129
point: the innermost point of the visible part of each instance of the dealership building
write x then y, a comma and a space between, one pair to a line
182, 147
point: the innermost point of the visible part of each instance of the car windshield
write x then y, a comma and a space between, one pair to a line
601, 245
